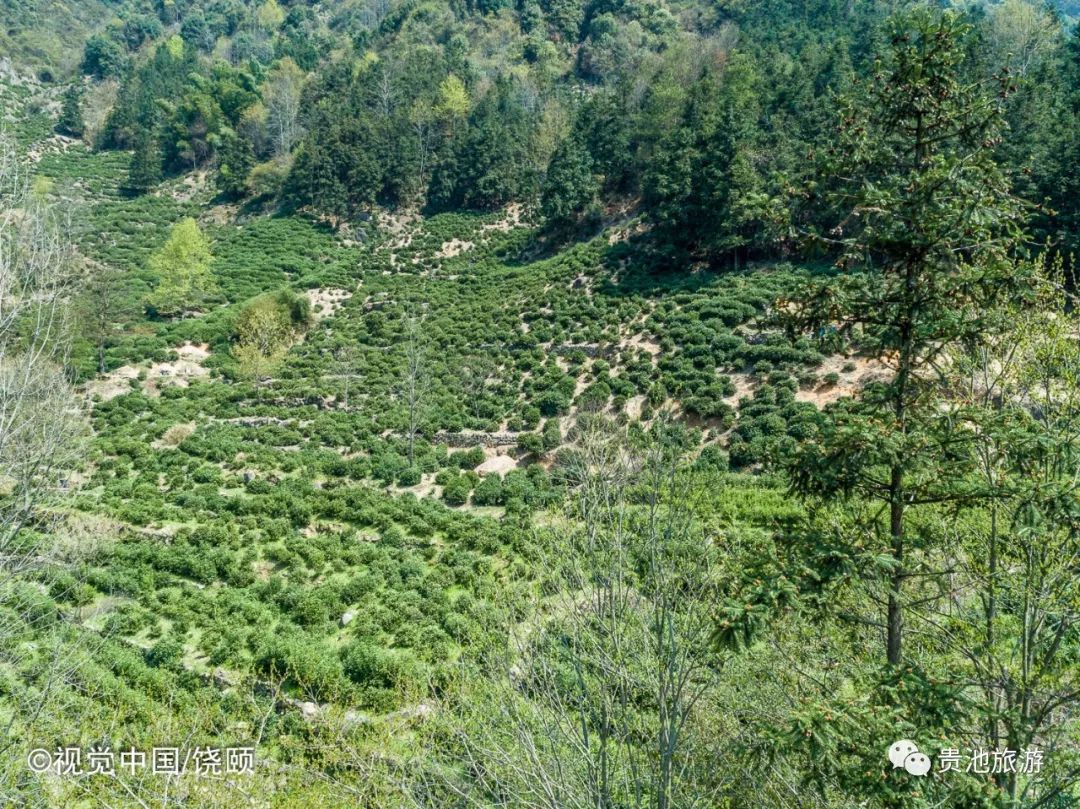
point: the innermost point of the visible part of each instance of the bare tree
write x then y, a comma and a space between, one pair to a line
104, 307
474, 374
386, 89
38, 410
282, 95
600, 698
1013, 611
346, 360
414, 386
374, 12
1023, 34
40, 416
422, 118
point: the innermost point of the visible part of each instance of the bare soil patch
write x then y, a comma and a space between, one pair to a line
497, 465
326, 302
454, 247
179, 372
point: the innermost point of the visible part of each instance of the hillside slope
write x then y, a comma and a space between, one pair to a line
49, 35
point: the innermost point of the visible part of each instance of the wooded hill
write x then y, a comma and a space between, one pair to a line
623, 403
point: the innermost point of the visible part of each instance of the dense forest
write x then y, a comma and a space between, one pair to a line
577, 404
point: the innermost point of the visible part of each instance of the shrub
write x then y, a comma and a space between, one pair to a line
456, 492
553, 403
489, 491
469, 459
595, 397
266, 180
531, 443
713, 459
166, 654
410, 476
552, 434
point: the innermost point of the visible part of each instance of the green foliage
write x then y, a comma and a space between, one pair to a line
144, 172
182, 267
569, 187
456, 490
932, 260
103, 57
704, 188
282, 526
487, 163
71, 118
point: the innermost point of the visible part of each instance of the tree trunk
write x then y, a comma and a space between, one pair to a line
895, 619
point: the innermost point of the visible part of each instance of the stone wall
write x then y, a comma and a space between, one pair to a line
476, 439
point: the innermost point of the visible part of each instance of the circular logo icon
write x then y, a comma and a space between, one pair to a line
39, 760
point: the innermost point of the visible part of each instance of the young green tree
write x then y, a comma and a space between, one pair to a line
182, 267
453, 101
927, 230
264, 332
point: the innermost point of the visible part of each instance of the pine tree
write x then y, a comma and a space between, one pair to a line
144, 171
489, 164
106, 305
702, 177
928, 230
71, 118
570, 186
236, 158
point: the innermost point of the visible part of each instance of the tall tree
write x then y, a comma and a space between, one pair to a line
487, 167
927, 230
71, 118
346, 362
236, 158
599, 697
1014, 639
702, 183
144, 171
41, 426
569, 187
415, 379
281, 97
